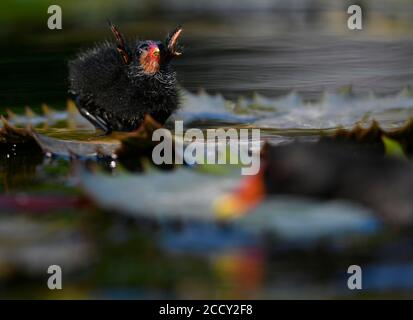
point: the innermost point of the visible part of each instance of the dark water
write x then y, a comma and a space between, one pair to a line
234, 53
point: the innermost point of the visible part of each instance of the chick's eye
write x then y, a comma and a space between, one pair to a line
141, 48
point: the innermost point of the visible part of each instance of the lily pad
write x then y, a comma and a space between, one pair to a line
63, 147
372, 137
69, 118
202, 109
335, 110
181, 193
9, 134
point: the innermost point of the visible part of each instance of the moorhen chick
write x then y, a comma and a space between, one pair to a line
115, 84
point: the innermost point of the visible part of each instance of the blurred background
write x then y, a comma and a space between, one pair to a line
231, 47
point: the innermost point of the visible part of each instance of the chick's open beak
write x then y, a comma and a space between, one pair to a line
156, 52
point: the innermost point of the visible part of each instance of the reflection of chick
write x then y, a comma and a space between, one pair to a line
115, 85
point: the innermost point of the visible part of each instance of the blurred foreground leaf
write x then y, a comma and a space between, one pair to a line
181, 193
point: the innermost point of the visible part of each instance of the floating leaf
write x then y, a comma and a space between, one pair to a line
65, 147
137, 146
12, 135
336, 110
181, 193
190, 196
290, 112
203, 109
371, 137
71, 118
128, 148
75, 120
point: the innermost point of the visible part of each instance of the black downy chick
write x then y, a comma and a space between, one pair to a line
115, 84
